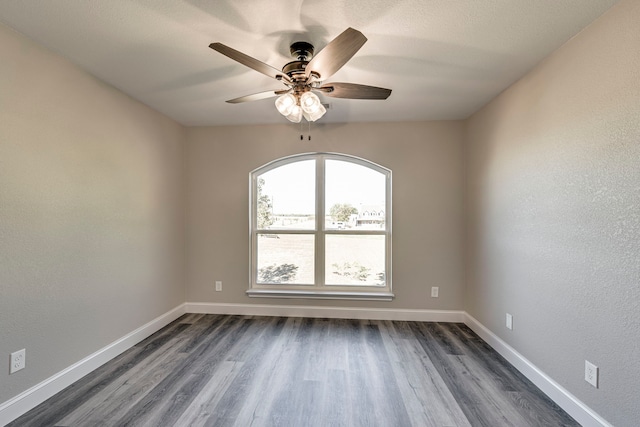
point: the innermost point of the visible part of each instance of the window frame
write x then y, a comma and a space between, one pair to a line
319, 289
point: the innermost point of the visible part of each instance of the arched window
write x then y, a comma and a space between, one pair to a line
307, 237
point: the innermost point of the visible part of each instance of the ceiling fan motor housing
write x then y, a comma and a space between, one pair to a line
301, 50
295, 67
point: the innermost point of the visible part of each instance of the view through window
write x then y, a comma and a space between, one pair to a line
320, 224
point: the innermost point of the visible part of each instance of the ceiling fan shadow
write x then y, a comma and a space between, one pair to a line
312, 32
283, 40
408, 66
435, 59
224, 9
365, 12
197, 79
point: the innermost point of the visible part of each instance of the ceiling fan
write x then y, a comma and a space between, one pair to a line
306, 75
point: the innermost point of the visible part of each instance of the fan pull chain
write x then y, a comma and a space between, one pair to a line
301, 132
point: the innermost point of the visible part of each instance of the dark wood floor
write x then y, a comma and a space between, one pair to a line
214, 370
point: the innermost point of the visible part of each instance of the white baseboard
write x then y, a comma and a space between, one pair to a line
327, 312
29, 399
567, 401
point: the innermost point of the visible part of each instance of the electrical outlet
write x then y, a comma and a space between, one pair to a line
218, 286
435, 291
591, 373
509, 321
17, 361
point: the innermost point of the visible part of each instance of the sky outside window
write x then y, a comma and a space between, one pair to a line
292, 187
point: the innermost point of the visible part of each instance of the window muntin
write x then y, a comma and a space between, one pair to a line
320, 227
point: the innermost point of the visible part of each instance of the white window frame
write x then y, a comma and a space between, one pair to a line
318, 289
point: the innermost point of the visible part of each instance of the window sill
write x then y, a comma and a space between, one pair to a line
343, 295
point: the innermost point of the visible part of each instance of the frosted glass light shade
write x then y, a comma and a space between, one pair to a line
309, 102
312, 117
285, 104
295, 115
311, 106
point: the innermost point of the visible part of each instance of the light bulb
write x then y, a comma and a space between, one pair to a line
285, 104
310, 102
295, 115
314, 115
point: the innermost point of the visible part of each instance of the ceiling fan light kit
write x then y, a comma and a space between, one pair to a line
286, 103
305, 75
295, 115
312, 108
295, 106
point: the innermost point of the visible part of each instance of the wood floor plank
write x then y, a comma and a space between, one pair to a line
426, 396
270, 378
290, 390
476, 402
232, 401
124, 392
381, 379
168, 400
72, 397
130, 386
219, 370
525, 396
485, 401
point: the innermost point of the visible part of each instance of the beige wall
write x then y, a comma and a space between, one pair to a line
92, 230
554, 214
426, 163
91, 213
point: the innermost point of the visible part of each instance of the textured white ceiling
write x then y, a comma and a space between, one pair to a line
444, 59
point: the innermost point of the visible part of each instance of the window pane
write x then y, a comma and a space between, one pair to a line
355, 260
286, 197
285, 258
354, 197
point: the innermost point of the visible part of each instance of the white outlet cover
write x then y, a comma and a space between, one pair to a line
509, 321
435, 291
18, 360
591, 373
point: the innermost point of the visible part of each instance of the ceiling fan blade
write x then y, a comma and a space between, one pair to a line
337, 53
246, 60
258, 96
354, 91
